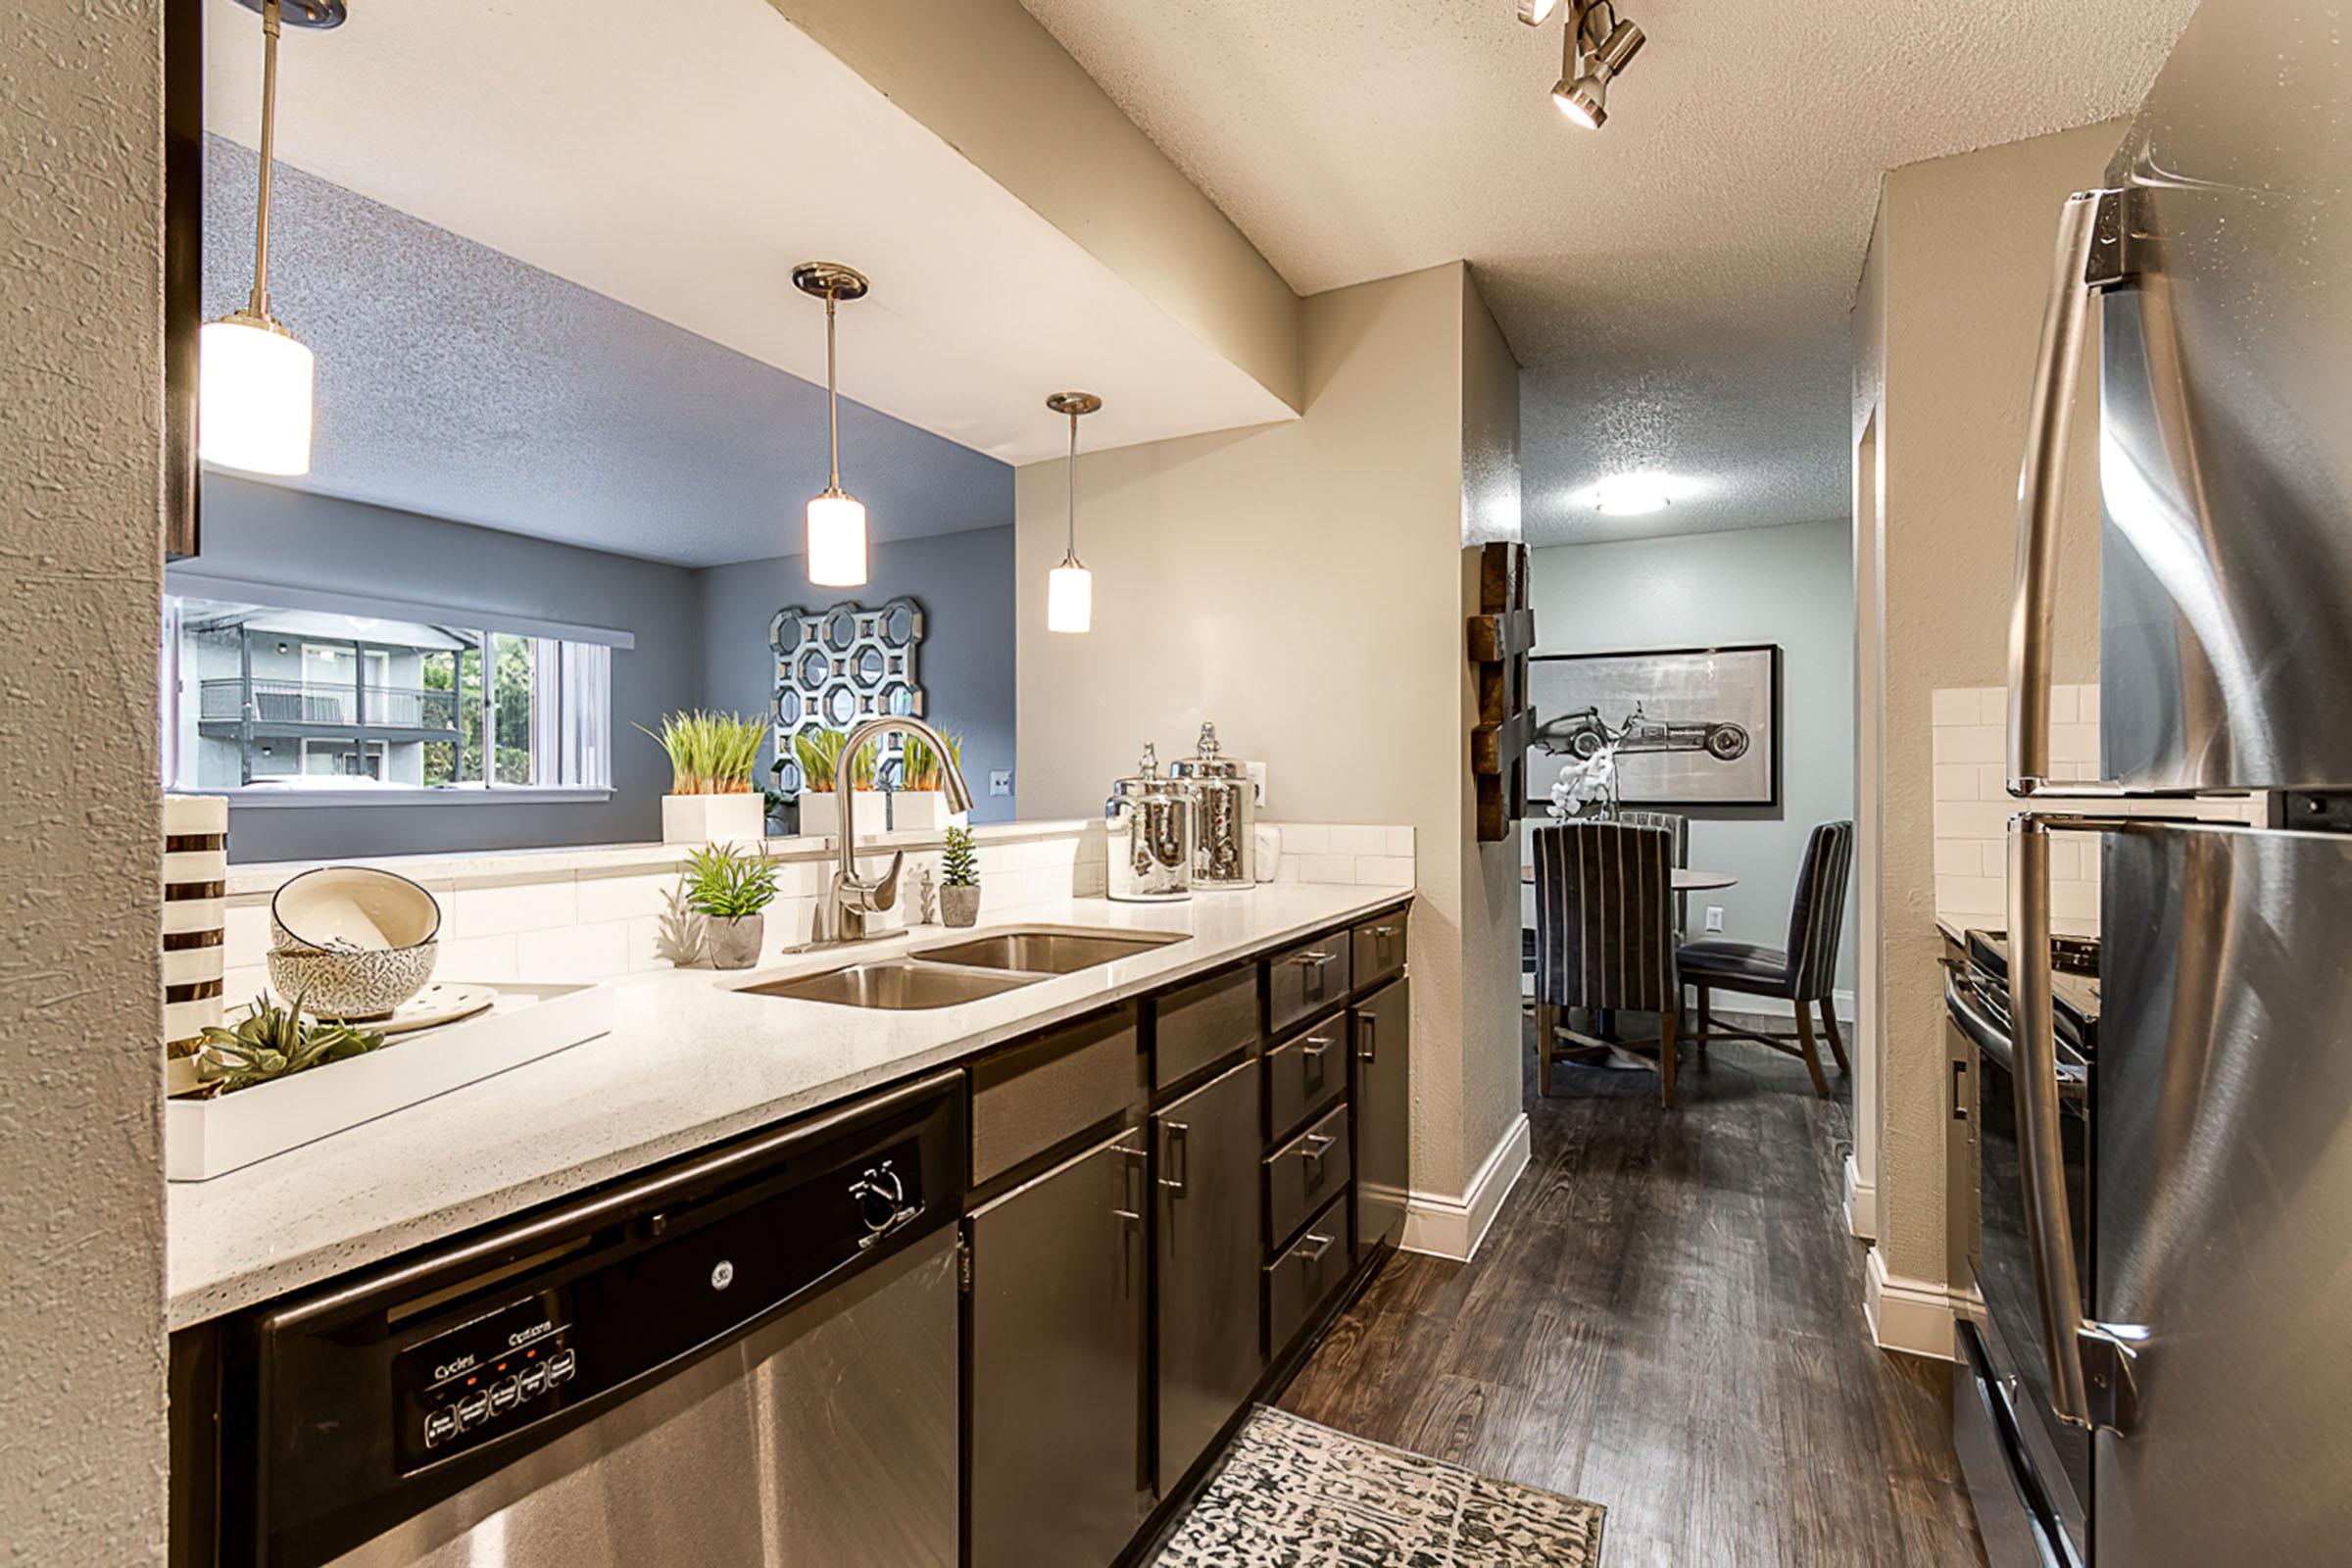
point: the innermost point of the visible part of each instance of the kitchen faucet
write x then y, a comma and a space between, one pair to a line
849, 899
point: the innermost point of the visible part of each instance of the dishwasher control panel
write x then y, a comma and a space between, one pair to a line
482, 1379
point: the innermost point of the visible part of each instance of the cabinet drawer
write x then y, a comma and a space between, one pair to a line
1377, 949
1303, 1174
1303, 980
1306, 1073
1202, 1022
1303, 1277
1032, 1096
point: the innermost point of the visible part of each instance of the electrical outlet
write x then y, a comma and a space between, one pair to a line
1257, 776
999, 781
1714, 916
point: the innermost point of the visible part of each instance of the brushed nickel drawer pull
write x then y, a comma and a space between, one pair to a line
1321, 1245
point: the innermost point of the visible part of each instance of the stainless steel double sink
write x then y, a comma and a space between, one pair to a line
955, 973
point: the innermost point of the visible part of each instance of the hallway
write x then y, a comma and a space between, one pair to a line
1666, 1319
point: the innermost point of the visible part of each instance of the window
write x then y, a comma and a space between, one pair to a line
279, 700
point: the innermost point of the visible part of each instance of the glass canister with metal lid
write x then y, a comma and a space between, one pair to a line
1225, 813
1149, 823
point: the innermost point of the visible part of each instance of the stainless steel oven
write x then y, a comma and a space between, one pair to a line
2028, 1472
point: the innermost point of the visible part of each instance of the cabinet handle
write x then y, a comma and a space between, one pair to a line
1321, 1245
1313, 1051
1175, 1161
1317, 1146
1384, 932
1312, 960
1368, 1036
1130, 1218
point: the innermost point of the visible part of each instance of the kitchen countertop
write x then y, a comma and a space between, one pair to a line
688, 1063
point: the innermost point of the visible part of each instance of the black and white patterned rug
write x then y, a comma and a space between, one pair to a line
1295, 1495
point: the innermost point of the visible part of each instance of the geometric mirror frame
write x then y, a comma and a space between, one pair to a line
837, 668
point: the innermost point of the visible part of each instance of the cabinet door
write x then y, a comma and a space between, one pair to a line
1208, 1148
1384, 1048
1056, 1410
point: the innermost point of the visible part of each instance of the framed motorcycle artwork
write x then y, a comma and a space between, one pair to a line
1689, 726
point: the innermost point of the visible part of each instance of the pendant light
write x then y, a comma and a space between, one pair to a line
1070, 587
836, 518
253, 379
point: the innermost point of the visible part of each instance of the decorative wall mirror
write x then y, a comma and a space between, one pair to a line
837, 668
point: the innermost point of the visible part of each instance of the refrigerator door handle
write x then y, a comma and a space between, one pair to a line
2089, 261
2105, 1397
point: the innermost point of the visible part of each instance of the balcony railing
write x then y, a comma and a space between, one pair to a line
269, 702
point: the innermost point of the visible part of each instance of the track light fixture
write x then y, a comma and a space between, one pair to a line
1597, 47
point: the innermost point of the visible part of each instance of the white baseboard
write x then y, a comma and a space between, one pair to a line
1914, 1317
1861, 1204
1443, 1225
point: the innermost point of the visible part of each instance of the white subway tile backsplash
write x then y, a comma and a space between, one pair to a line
1971, 743
588, 952
1972, 847
1326, 868
497, 908
1359, 841
1379, 868
492, 958
625, 896
1306, 838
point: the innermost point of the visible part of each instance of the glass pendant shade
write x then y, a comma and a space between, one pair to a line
837, 540
252, 388
1070, 597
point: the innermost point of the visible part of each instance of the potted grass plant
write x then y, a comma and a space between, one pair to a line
731, 889
918, 804
712, 798
819, 752
960, 879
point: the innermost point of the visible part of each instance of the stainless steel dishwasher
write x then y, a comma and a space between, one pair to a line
751, 1357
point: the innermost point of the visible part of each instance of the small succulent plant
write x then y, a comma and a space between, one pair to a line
959, 866
728, 883
272, 1042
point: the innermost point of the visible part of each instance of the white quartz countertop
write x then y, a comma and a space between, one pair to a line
690, 1062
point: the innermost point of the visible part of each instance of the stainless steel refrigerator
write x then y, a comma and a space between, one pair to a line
2203, 1335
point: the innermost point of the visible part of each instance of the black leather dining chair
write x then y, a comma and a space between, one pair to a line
1604, 933
1804, 973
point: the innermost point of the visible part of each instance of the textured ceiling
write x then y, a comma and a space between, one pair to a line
1676, 285
457, 381
681, 158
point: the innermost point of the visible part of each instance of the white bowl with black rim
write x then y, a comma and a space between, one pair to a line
353, 942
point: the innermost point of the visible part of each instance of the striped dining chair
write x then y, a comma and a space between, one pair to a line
1803, 973
1604, 933
1678, 827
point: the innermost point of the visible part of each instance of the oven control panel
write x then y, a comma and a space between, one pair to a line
483, 1379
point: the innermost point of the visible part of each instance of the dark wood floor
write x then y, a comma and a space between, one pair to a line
1666, 1319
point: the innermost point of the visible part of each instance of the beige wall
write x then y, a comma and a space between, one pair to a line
1073, 158
1948, 321
1299, 584
82, 1194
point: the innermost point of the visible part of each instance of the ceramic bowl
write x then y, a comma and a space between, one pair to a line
352, 942
358, 986
353, 908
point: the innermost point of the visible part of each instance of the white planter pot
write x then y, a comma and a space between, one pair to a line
205, 1138
820, 813
923, 811
714, 819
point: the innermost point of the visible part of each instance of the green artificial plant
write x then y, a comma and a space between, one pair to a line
728, 883
709, 753
273, 1041
959, 866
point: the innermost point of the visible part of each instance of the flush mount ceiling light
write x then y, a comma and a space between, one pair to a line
1633, 495
1597, 47
253, 379
1070, 587
836, 518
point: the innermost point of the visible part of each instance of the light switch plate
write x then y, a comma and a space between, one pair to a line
1714, 916
999, 781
